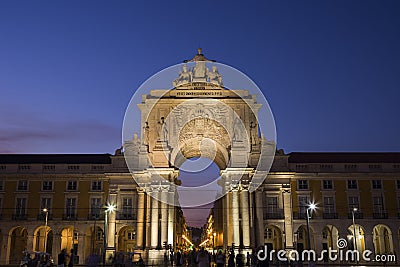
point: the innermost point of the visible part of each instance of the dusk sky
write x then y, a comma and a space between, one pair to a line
330, 70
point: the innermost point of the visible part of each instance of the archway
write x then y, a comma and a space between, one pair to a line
359, 235
18, 238
273, 238
69, 239
40, 235
382, 238
302, 238
94, 241
126, 239
330, 236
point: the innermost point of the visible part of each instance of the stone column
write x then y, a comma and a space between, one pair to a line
171, 218
287, 213
56, 249
235, 217
154, 223
225, 219
244, 206
148, 220
111, 224
260, 218
164, 216
140, 220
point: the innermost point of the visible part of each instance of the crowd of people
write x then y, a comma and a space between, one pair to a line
203, 258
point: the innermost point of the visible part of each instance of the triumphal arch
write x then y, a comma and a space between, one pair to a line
197, 117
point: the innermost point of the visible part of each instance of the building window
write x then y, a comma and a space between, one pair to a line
272, 205
1, 185
302, 184
354, 203
329, 205
47, 185
95, 207
268, 233
72, 185
1, 205
327, 184
45, 203
376, 184
20, 207
22, 185
3, 167
131, 235
398, 184
377, 203
70, 208
127, 208
304, 201
352, 184
96, 186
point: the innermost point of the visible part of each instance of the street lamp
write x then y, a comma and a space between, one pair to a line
354, 228
109, 208
311, 207
45, 229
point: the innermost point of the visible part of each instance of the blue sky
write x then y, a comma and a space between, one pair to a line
330, 70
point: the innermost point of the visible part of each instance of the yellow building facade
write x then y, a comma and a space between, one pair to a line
365, 186
73, 192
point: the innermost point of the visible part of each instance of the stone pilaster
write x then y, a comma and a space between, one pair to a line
260, 218
154, 223
235, 217
287, 213
140, 220
164, 216
244, 207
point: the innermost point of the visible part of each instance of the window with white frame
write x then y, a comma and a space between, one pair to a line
72, 185
20, 206
302, 184
352, 184
47, 185
377, 204
272, 205
45, 203
95, 207
304, 201
354, 203
70, 207
127, 207
96, 185
327, 184
22, 185
329, 204
376, 184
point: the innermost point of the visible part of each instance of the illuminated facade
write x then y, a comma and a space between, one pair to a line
75, 190
342, 185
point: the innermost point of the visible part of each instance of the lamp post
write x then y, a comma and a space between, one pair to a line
311, 207
45, 229
109, 208
354, 228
